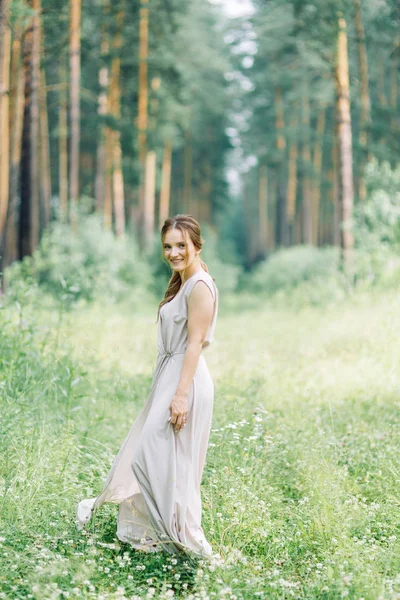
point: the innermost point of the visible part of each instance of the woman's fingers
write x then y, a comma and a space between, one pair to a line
181, 422
178, 421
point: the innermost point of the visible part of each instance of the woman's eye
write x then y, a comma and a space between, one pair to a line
182, 245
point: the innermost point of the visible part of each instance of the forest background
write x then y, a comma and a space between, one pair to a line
279, 130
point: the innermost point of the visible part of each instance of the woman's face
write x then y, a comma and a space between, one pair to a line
179, 251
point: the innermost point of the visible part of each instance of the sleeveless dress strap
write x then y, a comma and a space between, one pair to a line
200, 276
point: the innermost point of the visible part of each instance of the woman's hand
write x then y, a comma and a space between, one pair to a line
178, 410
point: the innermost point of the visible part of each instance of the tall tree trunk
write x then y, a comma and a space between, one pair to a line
35, 130
118, 186
263, 210
394, 67
75, 77
279, 119
335, 192
165, 183
45, 177
143, 104
365, 114
292, 179
102, 110
281, 225
251, 248
63, 141
16, 121
206, 188
115, 102
150, 198
24, 236
5, 54
108, 204
317, 171
306, 159
273, 203
187, 185
381, 81
344, 136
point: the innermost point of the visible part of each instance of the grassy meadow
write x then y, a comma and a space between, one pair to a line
301, 487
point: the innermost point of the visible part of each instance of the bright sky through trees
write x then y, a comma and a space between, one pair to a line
235, 8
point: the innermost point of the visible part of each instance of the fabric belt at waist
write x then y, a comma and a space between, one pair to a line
170, 353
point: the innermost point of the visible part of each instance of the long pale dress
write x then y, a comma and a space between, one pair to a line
156, 475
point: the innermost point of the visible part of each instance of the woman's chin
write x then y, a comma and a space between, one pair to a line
178, 267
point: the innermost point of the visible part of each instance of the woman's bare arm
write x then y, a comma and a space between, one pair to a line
200, 313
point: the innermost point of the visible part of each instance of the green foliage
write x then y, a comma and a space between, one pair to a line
377, 226
312, 271
83, 264
377, 223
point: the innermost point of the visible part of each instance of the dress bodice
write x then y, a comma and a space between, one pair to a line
172, 325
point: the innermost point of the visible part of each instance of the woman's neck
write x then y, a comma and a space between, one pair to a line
188, 273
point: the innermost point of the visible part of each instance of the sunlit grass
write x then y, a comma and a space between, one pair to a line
300, 491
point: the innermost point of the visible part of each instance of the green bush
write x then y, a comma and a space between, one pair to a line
83, 264
287, 269
377, 227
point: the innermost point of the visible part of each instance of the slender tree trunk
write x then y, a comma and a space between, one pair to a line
394, 67
5, 54
393, 80
150, 197
24, 236
118, 187
273, 202
344, 136
206, 192
165, 183
115, 93
306, 159
45, 177
35, 130
248, 224
335, 192
281, 225
143, 104
108, 204
279, 119
317, 169
365, 114
381, 81
263, 210
187, 185
16, 122
292, 179
75, 76
102, 110
63, 141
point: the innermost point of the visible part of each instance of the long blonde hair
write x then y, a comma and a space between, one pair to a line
189, 228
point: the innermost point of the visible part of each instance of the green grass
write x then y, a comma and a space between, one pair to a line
301, 487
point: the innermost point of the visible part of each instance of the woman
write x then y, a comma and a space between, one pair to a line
157, 473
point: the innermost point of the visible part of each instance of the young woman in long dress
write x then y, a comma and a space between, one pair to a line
156, 475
